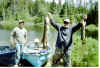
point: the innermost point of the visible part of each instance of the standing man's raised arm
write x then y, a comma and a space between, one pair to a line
53, 23
76, 27
81, 23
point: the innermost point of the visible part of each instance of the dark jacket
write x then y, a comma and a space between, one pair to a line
64, 38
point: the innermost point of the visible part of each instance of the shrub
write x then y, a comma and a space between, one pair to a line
85, 54
92, 31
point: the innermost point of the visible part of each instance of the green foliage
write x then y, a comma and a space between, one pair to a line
92, 52
53, 8
93, 15
9, 26
63, 10
29, 9
92, 31
85, 54
37, 19
58, 19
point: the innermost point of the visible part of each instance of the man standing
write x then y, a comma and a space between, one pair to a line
64, 40
19, 38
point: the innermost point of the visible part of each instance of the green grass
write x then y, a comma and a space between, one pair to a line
86, 54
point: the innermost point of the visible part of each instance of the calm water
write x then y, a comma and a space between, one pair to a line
5, 36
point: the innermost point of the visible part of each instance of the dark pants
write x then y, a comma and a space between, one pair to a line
60, 54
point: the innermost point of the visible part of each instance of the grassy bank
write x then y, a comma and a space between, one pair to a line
85, 54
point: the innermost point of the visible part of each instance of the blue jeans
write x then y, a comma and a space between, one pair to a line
19, 52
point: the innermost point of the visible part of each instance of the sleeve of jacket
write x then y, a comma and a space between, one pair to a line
54, 24
76, 27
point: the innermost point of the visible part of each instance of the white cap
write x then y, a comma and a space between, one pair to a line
21, 21
66, 20
36, 40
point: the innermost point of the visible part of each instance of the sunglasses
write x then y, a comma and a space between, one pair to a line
21, 22
66, 22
